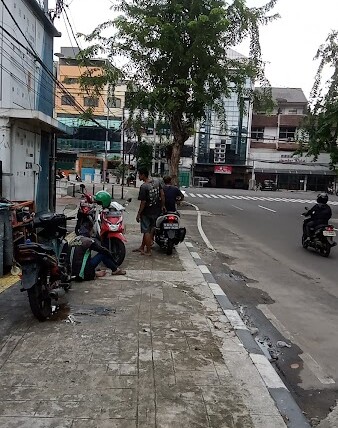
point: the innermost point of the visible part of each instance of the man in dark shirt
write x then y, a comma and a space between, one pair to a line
172, 194
82, 264
151, 199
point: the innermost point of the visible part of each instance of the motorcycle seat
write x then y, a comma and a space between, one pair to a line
41, 248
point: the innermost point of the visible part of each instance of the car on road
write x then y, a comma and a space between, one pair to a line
268, 185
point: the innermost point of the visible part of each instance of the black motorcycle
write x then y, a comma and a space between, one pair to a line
168, 232
320, 239
45, 264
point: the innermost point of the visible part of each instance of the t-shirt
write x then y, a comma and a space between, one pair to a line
171, 193
150, 193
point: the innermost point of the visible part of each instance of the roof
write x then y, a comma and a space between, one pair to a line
288, 95
292, 168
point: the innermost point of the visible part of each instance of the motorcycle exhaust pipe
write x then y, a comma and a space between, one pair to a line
56, 293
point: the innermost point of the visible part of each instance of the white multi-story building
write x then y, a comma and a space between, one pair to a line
274, 142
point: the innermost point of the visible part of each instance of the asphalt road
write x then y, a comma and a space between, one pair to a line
288, 293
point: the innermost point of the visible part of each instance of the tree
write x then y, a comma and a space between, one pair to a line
320, 128
177, 57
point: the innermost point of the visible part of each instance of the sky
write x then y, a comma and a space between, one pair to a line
289, 44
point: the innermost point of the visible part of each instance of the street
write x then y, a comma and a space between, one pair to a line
284, 291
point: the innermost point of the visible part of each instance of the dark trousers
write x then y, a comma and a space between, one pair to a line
107, 261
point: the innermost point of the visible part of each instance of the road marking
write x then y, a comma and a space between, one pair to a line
268, 373
189, 244
200, 229
204, 269
268, 209
199, 195
7, 281
235, 320
192, 195
228, 197
221, 196
207, 196
214, 196
316, 369
237, 207
216, 289
195, 255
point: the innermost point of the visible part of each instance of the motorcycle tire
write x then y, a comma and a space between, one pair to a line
39, 300
325, 250
170, 247
118, 249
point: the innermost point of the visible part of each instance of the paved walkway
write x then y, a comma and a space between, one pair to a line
152, 349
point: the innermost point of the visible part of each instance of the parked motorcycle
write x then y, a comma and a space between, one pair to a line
86, 211
111, 228
45, 267
168, 232
321, 239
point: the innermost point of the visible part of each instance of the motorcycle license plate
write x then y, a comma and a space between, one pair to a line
170, 226
329, 233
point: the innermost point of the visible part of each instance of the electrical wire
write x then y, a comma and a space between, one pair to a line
38, 59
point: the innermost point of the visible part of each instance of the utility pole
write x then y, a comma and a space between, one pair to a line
123, 154
105, 162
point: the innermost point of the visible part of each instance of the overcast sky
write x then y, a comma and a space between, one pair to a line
288, 44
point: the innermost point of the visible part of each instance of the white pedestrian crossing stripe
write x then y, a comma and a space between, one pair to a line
257, 198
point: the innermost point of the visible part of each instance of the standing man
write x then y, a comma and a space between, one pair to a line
152, 203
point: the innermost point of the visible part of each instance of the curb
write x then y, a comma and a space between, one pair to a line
282, 397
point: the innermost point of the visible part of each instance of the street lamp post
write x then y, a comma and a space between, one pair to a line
123, 154
106, 149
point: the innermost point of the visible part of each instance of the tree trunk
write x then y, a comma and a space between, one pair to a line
174, 161
180, 132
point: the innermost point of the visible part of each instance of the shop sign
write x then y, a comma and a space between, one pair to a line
222, 169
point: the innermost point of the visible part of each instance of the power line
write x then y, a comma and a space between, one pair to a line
38, 59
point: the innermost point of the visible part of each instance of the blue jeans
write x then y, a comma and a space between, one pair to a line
107, 261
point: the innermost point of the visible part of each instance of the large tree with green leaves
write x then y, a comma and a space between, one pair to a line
177, 58
320, 128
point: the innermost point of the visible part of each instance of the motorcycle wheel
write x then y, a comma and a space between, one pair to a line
118, 249
39, 300
325, 250
170, 247
305, 244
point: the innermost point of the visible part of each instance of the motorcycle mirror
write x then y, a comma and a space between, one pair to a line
306, 208
82, 186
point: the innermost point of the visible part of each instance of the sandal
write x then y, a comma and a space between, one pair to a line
119, 272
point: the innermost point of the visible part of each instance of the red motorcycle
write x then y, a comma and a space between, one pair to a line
86, 211
111, 229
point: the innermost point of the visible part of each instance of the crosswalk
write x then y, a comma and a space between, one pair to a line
253, 198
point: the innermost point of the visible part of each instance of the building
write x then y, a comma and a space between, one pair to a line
27, 140
220, 153
95, 142
274, 142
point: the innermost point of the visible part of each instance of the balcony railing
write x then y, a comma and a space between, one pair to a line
280, 145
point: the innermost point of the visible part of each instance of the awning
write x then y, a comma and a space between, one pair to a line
34, 115
294, 168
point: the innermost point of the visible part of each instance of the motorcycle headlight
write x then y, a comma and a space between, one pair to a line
113, 227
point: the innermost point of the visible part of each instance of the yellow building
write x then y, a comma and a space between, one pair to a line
90, 142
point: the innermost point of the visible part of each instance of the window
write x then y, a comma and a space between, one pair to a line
70, 80
257, 133
67, 100
91, 102
114, 102
287, 134
292, 111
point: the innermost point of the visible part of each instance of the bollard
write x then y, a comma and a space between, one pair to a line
112, 191
93, 193
73, 190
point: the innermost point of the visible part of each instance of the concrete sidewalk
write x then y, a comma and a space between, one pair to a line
152, 349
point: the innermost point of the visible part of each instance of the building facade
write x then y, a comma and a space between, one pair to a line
27, 141
97, 141
274, 142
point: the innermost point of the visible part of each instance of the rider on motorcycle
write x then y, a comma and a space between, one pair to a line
319, 214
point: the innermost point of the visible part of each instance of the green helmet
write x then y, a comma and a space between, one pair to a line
103, 198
